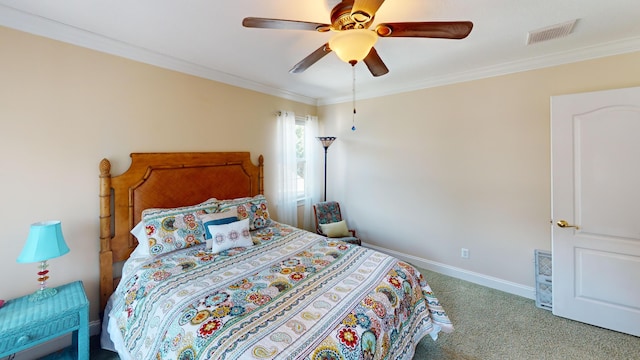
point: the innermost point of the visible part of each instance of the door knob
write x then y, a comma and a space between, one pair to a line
565, 224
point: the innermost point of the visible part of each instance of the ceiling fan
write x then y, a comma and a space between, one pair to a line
351, 19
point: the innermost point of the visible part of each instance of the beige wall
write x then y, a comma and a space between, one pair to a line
429, 172
64, 108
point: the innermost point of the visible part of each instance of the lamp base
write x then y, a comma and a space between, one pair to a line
42, 294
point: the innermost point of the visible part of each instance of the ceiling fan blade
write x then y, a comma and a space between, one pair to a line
375, 64
437, 29
264, 23
311, 59
364, 10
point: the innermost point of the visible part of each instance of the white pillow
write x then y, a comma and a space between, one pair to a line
142, 250
336, 229
227, 236
218, 218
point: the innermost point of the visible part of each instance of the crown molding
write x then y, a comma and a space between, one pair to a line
618, 47
48, 28
37, 25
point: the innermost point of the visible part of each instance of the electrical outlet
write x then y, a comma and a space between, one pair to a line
464, 253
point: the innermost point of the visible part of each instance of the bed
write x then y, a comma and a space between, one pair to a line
256, 289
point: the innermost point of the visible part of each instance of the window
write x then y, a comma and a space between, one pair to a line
297, 152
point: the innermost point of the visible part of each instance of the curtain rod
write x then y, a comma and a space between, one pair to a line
298, 117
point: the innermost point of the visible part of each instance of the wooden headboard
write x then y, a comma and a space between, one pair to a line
164, 180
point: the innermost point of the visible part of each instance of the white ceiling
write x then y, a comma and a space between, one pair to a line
206, 38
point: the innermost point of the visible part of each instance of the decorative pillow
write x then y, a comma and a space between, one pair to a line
253, 208
336, 229
227, 236
176, 228
220, 218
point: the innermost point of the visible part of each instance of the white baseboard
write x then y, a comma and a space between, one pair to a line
474, 277
54, 345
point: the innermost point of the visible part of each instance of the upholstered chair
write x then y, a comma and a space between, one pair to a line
329, 222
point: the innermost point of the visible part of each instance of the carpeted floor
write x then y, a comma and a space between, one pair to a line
490, 324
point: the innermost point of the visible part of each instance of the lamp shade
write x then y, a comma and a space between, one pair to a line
353, 45
326, 140
45, 242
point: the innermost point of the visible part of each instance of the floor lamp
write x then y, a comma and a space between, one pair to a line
326, 142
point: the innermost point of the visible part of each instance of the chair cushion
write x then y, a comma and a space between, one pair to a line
335, 229
328, 212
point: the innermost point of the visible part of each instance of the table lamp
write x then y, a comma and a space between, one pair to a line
45, 242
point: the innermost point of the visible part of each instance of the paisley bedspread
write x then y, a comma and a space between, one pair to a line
293, 295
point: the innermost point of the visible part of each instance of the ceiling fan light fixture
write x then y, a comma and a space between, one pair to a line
354, 37
353, 45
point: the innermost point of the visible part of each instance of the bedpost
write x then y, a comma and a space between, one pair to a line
261, 174
106, 256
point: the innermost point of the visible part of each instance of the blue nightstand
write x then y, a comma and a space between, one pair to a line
24, 323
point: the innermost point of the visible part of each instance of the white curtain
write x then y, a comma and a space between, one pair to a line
312, 153
287, 204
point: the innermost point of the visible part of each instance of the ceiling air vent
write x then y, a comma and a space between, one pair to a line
550, 32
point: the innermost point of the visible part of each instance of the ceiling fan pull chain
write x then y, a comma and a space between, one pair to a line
353, 89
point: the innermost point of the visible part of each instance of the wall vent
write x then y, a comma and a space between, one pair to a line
550, 32
544, 297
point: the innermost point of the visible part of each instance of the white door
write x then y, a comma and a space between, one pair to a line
595, 150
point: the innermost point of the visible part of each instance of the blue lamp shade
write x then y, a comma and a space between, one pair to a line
45, 242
